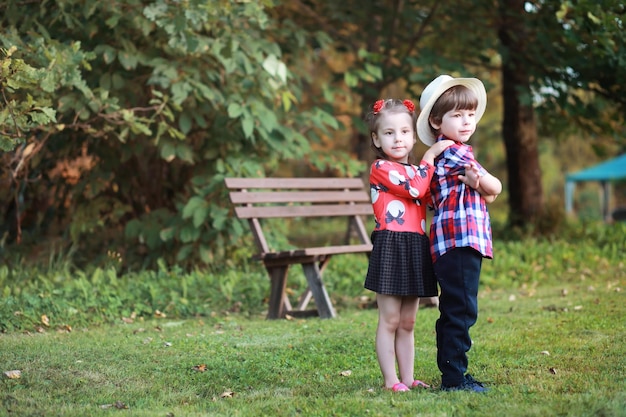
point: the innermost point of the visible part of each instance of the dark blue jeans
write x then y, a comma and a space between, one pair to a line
458, 272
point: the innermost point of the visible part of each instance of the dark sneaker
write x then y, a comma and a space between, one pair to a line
470, 384
478, 386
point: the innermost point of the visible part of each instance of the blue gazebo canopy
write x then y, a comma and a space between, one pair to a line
613, 169
604, 172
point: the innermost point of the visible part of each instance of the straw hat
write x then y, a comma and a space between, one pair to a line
434, 90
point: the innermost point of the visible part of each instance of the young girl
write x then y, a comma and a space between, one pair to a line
460, 232
400, 270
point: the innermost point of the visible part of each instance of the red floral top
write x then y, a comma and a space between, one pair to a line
399, 195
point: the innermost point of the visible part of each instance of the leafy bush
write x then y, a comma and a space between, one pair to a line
104, 295
124, 121
577, 251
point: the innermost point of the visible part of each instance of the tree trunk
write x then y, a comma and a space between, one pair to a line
519, 129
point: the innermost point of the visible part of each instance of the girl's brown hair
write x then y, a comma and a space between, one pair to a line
458, 97
389, 106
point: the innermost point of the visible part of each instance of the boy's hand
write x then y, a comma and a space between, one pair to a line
487, 185
471, 177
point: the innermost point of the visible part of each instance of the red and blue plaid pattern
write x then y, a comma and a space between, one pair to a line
461, 218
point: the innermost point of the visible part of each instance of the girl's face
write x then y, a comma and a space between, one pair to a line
395, 135
458, 125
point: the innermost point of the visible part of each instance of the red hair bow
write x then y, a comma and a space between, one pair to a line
378, 106
409, 105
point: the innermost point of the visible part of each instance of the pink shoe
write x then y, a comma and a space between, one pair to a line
419, 384
400, 387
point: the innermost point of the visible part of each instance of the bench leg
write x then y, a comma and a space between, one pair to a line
304, 300
278, 303
322, 300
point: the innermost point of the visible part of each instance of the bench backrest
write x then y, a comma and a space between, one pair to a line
259, 198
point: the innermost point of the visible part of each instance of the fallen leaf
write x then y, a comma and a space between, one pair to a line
227, 394
490, 320
545, 352
45, 320
159, 314
118, 404
127, 320
553, 371
345, 373
167, 344
13, 374
200, 368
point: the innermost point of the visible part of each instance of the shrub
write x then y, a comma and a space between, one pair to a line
60, 296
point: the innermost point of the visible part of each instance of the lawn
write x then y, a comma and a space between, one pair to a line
549, 349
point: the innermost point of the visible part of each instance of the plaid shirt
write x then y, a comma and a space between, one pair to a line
461, 218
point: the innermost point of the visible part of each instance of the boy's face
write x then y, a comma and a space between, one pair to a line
458, 125
395, 136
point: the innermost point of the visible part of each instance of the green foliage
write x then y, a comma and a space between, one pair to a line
583, 46
574, 253
147, 108
19, 117
120, 120
104, 296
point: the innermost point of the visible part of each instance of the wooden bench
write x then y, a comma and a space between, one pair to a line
258, 199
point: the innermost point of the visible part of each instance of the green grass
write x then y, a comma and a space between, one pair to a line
293, 367
550, 340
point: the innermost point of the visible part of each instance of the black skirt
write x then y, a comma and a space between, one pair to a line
400, 264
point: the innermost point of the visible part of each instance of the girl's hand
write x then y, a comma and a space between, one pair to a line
436, 149
441, 146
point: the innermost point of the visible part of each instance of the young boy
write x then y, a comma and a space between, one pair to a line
460, 232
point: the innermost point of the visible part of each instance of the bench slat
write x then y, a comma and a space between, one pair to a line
317, 210
302, 183
319, 251
253, 197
